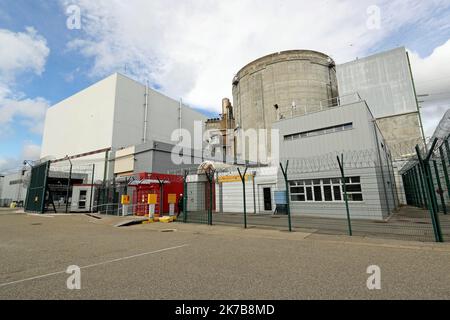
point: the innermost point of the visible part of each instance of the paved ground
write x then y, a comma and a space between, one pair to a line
201, 262
408, 223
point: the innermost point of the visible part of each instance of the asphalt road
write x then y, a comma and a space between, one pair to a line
201, 262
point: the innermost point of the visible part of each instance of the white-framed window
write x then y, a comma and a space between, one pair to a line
326, 190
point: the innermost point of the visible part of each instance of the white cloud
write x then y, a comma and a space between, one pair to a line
432, 77
193, 48
30, 151
21, 53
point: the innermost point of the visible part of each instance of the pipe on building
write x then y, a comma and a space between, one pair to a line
144, 138
180, 117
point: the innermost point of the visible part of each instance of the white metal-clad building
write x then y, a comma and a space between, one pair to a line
115, 113
12, 188
260, 186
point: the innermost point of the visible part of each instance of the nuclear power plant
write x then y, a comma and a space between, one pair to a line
294, 83
291, 82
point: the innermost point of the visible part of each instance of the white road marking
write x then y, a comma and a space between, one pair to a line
93, 265
39, 215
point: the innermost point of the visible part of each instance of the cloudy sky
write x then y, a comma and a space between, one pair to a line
192, 49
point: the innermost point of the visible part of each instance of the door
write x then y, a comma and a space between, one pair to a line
267, 199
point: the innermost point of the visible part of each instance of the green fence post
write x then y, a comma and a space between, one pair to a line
409, 190
444, 168
418, 184
288, 207
424, 193
433, 189
447, 148
44, 189
430, 190
413, 188
243, 188
441, 192
210, 176
344, 185
185, 194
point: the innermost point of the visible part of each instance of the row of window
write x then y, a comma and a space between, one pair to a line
326, 190
318, 132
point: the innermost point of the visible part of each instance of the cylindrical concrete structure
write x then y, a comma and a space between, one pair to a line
283, 84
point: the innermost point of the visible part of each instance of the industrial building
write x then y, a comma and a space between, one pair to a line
222, 139
116, 127
349, 129
385, 81
127, 130
315, 185
281, 85
113, 114
296, 82
13, 188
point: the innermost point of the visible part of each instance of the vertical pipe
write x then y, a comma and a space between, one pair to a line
180, 119
144, 134
441, 192
185, 194
92, 188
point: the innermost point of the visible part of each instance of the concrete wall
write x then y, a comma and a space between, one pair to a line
302, 76
384, 80
402, 133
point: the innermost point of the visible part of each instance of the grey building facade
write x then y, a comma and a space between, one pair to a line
311, 142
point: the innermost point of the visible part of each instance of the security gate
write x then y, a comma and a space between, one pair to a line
35, 200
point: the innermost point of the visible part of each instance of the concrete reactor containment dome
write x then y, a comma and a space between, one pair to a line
281, 85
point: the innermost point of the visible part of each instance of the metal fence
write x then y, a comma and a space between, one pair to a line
358, 192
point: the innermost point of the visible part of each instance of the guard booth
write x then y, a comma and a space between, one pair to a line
165, 188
